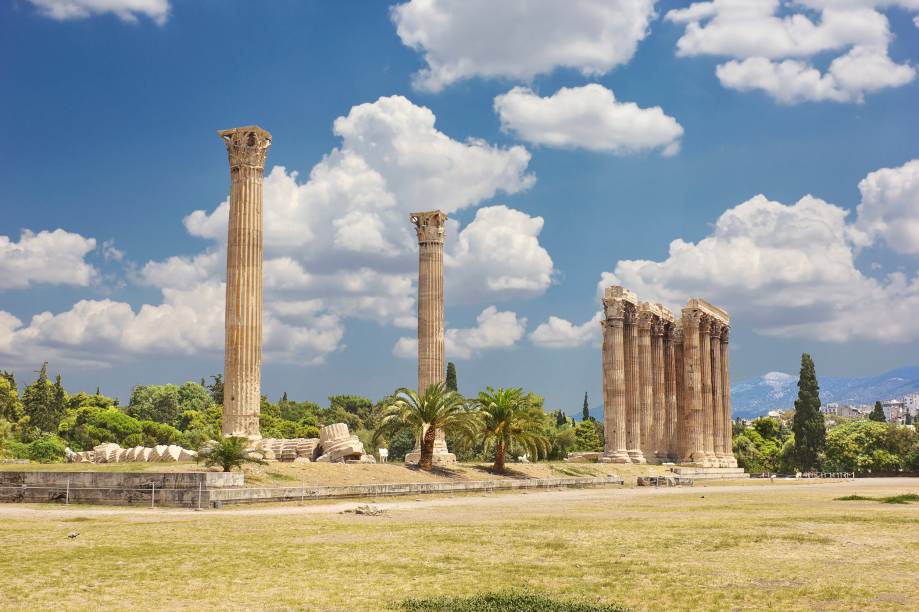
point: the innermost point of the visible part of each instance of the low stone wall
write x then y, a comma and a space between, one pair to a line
213, 489
115, 488
251, 495
710, 473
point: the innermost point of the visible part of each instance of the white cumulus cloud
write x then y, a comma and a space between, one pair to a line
338, 245
890, 207
790, 269
461, 39
587, 117
495, 329
558, 333
54, 258
773, 44
126, 10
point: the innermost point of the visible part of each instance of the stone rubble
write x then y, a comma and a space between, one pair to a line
110, 452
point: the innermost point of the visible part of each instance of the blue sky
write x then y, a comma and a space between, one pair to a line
545, 148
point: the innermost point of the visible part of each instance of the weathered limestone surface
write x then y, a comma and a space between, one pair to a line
645, 378
337, 443
430, 229
614, 389
110, 452
632, 385
666, 383
247, 148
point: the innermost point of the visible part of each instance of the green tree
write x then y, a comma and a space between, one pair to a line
589, 437
437, 408
451, 377
868, 446
877, 414
808, 424
507, 420
216, 389
229, 453
585, 410
10, 405
39, 402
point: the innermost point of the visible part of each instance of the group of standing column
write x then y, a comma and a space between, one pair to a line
666, 383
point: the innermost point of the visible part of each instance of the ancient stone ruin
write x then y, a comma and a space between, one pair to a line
430, 227
334, 444
247, 148
666, 383
110, 452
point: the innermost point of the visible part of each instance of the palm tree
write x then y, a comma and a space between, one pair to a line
437, 408
507, 419
230, 452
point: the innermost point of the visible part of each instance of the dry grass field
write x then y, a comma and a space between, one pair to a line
717, 547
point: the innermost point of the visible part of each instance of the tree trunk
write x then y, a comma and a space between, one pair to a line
426, 461
499, 456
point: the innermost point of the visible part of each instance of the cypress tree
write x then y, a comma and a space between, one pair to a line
451, 377
877, 414
560, 418
37, 401
585, 411
808, 425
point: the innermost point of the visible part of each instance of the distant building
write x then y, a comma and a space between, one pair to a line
894, 410
911, 403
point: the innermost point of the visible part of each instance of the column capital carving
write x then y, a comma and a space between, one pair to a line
717, 328
705, 325
246, 146
429, 225
608, 323
677, 334
630, 316
725, 333
645, 317
613, 308
692, 317
658, 327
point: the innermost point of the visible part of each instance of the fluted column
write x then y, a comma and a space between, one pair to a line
632, 386
431, 368
669, 428
681, 416
717, 396
614, 389
659, 409
694, 452
730, 460
705, 354
646, 383
247, 148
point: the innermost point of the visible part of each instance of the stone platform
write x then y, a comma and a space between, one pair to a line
709, 473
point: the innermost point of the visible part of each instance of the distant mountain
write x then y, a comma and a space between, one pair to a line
778, 390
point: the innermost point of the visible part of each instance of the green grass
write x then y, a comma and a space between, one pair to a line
503, 602
747, 547
904, 498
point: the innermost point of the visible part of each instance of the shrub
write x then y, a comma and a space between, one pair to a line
868, 446
503, 602
47, 449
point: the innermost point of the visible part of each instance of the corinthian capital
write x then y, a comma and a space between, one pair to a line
246, 146
717, 327
725, 333
692, 317
429, 225
613, 309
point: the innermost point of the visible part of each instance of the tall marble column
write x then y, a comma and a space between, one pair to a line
614, 391
670, 417
681, 416
646, 383
717, 396
659, 410
694, 452
247, 148
705, 353
431, 368
730, 460
632, 386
